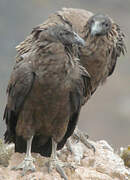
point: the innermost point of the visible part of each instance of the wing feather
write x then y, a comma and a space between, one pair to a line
20, 85
77, 99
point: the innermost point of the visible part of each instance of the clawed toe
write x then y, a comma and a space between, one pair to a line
83, 137
58, 166
25, 166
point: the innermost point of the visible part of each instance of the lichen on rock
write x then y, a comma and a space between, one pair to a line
5, 153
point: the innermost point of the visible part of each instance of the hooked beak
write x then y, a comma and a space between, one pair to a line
96, 28
79, 40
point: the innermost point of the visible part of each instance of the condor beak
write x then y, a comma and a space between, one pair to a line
79, 40
96, 28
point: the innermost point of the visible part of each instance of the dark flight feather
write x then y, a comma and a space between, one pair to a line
18, 91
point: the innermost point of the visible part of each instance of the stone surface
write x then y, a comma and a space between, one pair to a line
103, 165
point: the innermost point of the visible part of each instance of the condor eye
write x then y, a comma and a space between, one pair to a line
105, 24
61, 33
92, 21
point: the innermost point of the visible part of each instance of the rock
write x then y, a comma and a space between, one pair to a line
125, 155
5, 153
104, 164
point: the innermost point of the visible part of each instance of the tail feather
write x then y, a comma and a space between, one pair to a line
37, 147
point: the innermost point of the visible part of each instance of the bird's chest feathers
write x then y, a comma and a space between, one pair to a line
57, 71
96, 56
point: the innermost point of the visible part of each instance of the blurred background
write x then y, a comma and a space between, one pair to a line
107, 114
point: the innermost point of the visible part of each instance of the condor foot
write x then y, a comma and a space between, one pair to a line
58, 165
83, 137
26, 165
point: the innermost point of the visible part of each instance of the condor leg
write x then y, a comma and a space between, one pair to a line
80, 136
55, 163
27, 163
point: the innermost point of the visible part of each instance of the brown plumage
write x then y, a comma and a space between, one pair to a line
98, 57
45, 89
102, 50
104, 44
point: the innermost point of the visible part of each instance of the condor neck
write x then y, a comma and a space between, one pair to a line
93, 44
